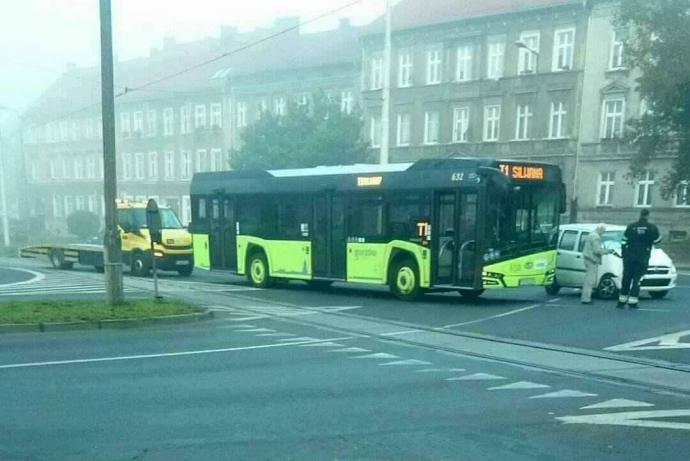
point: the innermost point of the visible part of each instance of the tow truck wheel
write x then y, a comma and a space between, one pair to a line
185, 271
140, 266
57, 259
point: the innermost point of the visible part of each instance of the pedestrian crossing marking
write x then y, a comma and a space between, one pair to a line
476, 377
378, 355
618, 403
405, 363
351, 350
566, 393
519, 385
440, 370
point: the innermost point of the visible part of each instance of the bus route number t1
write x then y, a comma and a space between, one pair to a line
424, 229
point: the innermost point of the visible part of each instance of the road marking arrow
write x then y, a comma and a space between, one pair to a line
475, 377
670, 341
566, 393
632, 418
618, 403
519, 385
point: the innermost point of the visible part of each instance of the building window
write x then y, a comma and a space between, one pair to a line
66, 171
303, 99
126, 166
433, 66
242, 114
50, 132
403, 137
69, 205
64, 131
563, 49
99, 127
279, 106
139, 166
463, 69
216, 115
199, 117
185, 120
431, 127
54, 168
57, 206
607, 179
186, 164
186, 210
75, 130
557, 120
88, 128
169, 166
405, 69
346, 102
138, 122
125, 125
168, 122
376, 73
644, 189
617, 50
495, 59
375, 131
101, 171
81, 202
461, 123
35, 176
151, 119
682, 198
153, 166
523, 123
492, 122
216, 160
528, 57
93, 203
201, 161
91, 167
78, 168
612, 118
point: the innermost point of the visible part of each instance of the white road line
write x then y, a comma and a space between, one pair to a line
566, 393
476, 377
408, 362
242, 325
400, 333
256, 330
300, 339
519, 385
275, 335
440, 370
633, 418
654, 310
618, 403
328, 344
378, 355
505, 314
153, 356
351, 350
37, 277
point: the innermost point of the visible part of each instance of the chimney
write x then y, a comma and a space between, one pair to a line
344, 23
289, 22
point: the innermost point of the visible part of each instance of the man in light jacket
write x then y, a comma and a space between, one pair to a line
592, 253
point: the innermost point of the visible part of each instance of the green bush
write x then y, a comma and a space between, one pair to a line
83, 224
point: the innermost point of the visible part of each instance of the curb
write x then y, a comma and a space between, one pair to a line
115, 324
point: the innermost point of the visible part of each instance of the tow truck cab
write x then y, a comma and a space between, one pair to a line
175, 253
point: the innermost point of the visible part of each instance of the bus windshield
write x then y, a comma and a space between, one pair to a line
136, 218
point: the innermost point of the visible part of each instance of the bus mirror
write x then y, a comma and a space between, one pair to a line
563, 202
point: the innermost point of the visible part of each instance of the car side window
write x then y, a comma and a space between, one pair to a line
568, 240
581, 246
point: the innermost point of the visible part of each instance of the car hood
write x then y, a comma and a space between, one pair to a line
659, 258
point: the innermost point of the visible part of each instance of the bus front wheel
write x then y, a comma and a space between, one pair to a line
258, 270
471, 294
405, 280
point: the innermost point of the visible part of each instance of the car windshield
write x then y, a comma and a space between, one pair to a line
612, 240
136, 219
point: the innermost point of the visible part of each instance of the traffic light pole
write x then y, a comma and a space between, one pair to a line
113, 251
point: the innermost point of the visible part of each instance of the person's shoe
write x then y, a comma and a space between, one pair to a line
586, 302
620, 305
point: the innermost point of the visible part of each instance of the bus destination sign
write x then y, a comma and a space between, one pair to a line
369, 181
529, 172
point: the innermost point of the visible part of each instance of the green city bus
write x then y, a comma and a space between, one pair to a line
461, 224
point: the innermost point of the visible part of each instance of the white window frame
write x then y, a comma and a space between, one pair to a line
375, 131
64, 130
648, 185
54, 168
568, 48
69, 205
461, 124
139, 166
200, 116
557, 120
241, 114
80, 202
681, 198
607, 181
168, 122
151, 123
152, 166
463, 63
91, 167
495, 58
88, 129
376, 82
78, 168
432, 127
523, 122
404, 132
215, 160
185, 120
58, 206
279, 106
528, 61
607, 116
66, 172
138, 122
434, 65
492, 123
125, 125
185, 164
404, 69
216, 115
303, 99
92, 203
346, 101
616, 58
75, 130
169, 162
50, 132
201, 161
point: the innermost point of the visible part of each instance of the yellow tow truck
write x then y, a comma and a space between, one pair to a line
175, 253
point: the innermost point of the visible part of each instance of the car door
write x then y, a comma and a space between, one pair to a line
568, 260
579, 272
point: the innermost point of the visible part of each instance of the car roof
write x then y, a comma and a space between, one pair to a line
589, 227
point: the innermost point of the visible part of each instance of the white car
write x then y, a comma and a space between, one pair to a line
570, 266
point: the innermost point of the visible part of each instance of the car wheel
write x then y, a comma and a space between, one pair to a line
405, 280
658, 294
140, 266
258, 270
607, 288
471, 294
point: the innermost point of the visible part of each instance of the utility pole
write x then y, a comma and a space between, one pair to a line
113, 251
3, 198
386, 106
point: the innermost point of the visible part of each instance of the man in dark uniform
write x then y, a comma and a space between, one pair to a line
637, 244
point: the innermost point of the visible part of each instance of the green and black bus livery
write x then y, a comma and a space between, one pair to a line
465, 224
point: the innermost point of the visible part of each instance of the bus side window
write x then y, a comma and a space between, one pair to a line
292, 214
365, 219
403, 218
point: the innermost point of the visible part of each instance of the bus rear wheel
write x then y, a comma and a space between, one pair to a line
258, 270
405, 280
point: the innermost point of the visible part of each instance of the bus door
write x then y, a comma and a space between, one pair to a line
223, 235
329, 242
454, 239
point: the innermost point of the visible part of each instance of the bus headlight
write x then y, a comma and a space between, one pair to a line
492, 275
158, 254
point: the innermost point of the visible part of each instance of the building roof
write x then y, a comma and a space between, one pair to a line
409, 14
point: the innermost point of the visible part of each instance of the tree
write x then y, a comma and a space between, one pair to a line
658, 49
307, 136
83, 224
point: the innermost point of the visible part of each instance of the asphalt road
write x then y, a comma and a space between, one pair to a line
227, 390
